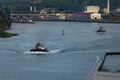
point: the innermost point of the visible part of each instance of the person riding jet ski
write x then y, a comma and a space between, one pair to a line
101, 29
39, 47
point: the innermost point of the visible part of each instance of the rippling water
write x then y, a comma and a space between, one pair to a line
72, 55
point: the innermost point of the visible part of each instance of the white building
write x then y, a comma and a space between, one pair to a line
105, 10
43, 11
95, 16
117, 10
33, 9
92, 9
62, 17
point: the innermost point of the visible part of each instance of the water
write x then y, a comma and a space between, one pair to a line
72, 54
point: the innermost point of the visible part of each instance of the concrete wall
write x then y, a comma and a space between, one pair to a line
95, 16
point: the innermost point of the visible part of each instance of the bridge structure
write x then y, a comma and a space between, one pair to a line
36, 17
32, 14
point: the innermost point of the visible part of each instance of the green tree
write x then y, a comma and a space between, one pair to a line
5, 21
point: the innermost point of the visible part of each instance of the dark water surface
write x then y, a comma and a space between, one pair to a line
72, 55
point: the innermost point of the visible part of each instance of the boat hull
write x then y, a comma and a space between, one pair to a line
39, 50
101, 31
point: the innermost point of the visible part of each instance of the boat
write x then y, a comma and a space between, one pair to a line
101, 29
24, 21
39, 48
28, 21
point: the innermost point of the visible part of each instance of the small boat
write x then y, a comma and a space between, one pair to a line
101, 29
39, 48
24, 21
31, 21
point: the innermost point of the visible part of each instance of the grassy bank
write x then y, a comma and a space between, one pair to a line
4, 34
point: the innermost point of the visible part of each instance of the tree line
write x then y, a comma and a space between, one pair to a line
5, 24
67, 6
5, 21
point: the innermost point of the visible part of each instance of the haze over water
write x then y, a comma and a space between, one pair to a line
72, 55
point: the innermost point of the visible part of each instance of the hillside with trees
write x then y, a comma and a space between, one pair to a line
5, 21
60, 5
5, 24
16, 5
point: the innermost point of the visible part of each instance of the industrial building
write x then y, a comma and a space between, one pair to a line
92, 9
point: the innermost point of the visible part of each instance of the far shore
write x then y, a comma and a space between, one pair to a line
93, 21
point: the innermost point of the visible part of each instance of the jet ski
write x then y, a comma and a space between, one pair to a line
39, 48
101, 29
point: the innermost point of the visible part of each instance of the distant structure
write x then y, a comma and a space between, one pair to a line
107, 9
94, 9
33, 9
117, 10
90, 13
43, 11
108, 6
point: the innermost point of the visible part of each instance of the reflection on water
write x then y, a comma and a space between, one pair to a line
74, 53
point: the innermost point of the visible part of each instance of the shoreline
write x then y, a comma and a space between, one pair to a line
5, 34
93, 21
